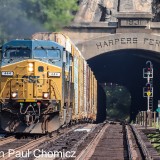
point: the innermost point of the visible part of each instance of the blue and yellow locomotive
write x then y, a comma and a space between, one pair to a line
37, 90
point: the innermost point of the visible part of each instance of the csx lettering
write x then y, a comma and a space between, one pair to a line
31, 79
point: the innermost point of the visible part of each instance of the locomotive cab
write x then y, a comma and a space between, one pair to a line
33, 77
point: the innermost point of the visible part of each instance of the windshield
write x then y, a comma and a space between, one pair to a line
47, 53
17, 53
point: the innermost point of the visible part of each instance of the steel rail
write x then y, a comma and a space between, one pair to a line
89, 150
142, 144
7, 140
34, 143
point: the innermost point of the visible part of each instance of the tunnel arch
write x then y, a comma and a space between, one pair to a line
125, 67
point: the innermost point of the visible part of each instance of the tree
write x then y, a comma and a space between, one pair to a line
54, 14
20, 19
118, 101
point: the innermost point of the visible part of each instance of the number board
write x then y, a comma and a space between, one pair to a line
54, 74
7, 73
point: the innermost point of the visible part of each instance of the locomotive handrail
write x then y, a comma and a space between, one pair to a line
53, 85
4, 87
9, 79
56, 88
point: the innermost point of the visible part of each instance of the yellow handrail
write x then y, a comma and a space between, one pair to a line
4, 87
54, 85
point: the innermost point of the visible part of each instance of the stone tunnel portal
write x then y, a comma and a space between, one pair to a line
125, 67
117, 37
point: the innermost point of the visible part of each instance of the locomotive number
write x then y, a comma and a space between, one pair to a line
54, 74
7, 73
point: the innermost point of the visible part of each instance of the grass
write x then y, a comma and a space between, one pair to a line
155, 140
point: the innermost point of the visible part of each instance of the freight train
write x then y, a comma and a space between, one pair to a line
45, 83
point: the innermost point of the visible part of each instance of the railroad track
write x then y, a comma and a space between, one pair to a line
12, 148
89, 150
112, 142
147, 148
7, 140
65, 145
107, 141
22, 147
134, 147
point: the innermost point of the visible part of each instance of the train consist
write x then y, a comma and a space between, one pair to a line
45, 83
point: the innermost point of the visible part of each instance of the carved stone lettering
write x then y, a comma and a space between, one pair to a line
99, 45
110, 42
151, 42
123, 41
127, 40
145, 40
133, 22
157, 42
116, 41
105, 43
135, 40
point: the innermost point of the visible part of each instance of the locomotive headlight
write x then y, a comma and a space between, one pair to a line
30, 67
14, 94
45, 95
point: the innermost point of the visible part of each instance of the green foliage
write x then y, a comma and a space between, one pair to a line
20, 19
155, 140
118, 102
54, 14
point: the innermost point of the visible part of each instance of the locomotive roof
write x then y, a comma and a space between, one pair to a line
32, 43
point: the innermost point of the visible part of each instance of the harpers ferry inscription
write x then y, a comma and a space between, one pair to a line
116, 41
152, 42
127, 41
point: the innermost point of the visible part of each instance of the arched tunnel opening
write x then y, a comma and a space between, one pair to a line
125, 68
118, 102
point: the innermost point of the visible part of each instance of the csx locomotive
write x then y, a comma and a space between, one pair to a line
45, 83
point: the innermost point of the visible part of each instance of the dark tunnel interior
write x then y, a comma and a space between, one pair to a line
125, 67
